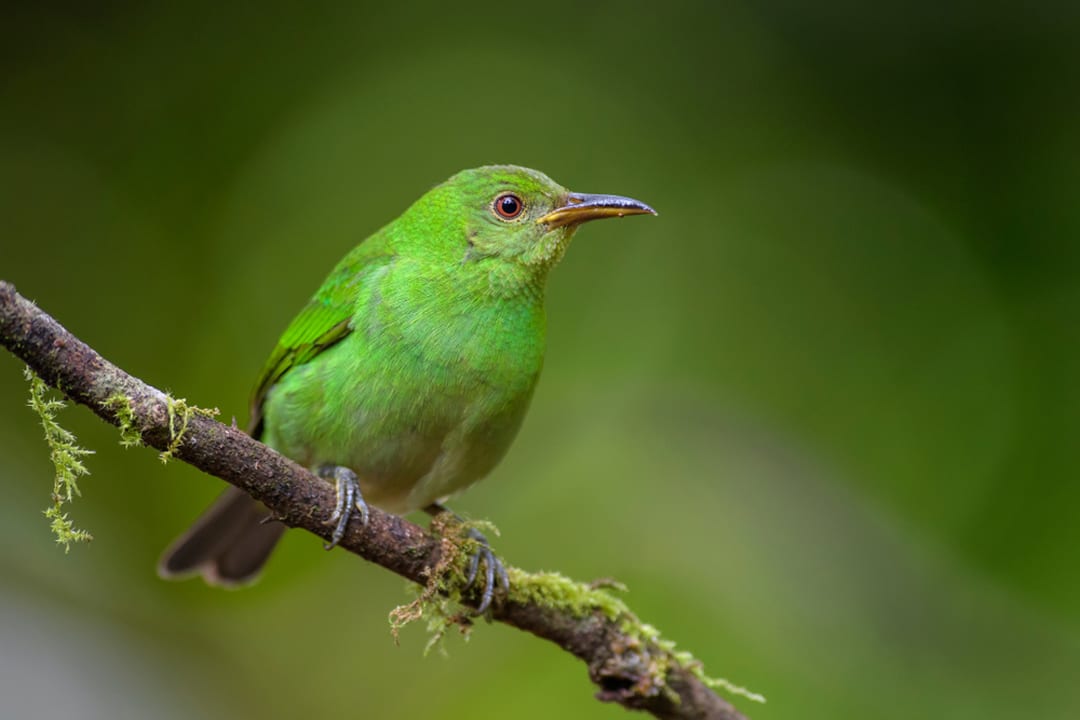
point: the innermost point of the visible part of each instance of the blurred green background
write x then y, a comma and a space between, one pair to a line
821, 415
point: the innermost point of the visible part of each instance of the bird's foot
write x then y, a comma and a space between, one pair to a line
348, 500
494, 573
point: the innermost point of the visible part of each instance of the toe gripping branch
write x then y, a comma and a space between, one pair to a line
494, 573
493, 570
349, 500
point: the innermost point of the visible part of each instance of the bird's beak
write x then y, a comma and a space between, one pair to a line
581, 207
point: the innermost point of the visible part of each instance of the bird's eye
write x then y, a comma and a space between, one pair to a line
508, 206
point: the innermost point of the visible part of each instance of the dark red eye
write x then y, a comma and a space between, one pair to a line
508, 206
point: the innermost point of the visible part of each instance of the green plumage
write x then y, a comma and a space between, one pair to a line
414, 362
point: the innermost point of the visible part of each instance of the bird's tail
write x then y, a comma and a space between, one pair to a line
227, 545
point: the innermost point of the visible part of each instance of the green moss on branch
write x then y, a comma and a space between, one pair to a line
65, 454
180, 414
120, 404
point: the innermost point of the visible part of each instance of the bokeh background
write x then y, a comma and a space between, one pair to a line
821, 415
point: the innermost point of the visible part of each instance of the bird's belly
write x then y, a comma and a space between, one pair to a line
412, 438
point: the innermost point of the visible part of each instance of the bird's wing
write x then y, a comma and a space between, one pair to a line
323, 322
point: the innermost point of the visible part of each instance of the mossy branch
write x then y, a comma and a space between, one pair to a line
628, 661
65, 454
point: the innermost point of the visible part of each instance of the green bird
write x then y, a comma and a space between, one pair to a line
406, 376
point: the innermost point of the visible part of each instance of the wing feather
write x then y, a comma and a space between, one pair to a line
325, 321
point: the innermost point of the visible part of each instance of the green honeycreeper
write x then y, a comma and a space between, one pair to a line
406, 376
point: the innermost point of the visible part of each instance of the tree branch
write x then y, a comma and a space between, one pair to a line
630, 667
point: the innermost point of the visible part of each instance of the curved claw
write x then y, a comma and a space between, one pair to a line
493, 570
348, 499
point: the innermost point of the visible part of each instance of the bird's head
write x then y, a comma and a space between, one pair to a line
516, 220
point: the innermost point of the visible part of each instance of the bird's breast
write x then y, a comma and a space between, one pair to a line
421, 399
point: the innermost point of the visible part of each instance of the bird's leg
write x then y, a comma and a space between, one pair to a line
348, 498
494, 572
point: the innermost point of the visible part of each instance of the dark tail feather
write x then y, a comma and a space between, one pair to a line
227, 545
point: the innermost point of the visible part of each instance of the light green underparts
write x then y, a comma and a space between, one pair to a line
65, 454
439, 600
